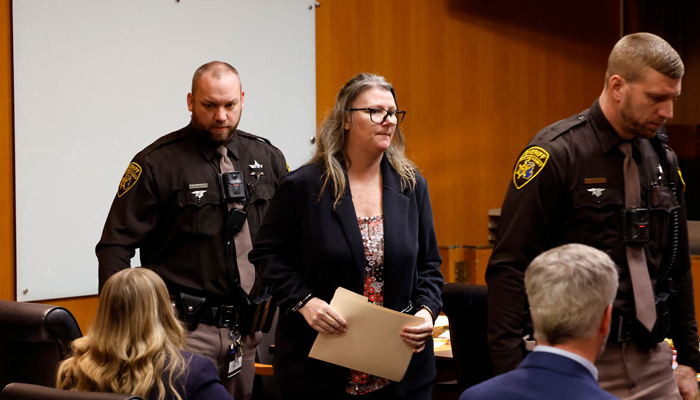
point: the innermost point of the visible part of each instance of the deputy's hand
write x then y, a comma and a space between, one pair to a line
687, 381
417, 335
320, 316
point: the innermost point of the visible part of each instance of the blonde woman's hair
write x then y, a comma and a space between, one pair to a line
569, 288
134, 340
331, 143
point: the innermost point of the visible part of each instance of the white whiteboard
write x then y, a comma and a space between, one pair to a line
97, 81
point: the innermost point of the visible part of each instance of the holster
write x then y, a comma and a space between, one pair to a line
258, 314
645, 339
663, 317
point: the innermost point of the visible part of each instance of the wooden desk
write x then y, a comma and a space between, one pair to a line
444, 353
445, 387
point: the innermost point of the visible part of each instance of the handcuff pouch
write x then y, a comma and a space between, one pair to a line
191, 309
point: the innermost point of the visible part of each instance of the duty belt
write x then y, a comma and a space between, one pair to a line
193, 310
626, 328
620, 329
223, 316
257, 315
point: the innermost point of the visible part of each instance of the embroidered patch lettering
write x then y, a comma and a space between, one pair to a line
529, 165
132, 174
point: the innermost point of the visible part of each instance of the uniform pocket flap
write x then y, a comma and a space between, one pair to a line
665, 200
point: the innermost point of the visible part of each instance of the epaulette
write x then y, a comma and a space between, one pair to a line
551, 132
164, 140
251, 136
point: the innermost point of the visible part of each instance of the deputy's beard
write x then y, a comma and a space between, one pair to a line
218, 137
632, 123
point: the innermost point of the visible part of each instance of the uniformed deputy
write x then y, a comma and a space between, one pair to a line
569, 186
170, 205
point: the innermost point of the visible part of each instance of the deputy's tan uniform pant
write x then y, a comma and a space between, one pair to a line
630, 374
213, 342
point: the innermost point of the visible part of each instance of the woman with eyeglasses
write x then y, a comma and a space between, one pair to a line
135, 346
357, 216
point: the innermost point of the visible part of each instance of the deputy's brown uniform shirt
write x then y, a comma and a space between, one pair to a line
169, 206
568, 187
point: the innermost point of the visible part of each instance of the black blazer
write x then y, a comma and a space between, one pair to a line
304, 246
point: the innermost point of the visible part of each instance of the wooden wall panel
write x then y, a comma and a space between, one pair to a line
82, 308
7, 195
686, 110
695, 266
478, 80
676, 22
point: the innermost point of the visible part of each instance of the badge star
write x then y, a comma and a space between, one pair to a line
255, 165
597, 192
257, 169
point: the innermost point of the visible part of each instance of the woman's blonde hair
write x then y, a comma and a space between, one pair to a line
134, 339
331, 143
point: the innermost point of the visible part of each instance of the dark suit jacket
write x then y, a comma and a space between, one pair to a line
201, 381
541, 376
304, 246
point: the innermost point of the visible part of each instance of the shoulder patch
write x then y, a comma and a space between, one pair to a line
132, 174
530, 163
682, 181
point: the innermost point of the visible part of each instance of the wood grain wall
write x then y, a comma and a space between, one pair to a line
7, 195
478, 79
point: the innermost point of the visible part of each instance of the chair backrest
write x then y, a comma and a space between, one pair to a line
34, 338
266, 385
694, 237
465, 307
24, 391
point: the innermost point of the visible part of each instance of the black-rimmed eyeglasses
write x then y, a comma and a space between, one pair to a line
379, 115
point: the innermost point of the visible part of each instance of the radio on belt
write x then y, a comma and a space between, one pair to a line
232, 187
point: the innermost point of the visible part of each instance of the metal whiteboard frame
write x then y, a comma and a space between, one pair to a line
97, 81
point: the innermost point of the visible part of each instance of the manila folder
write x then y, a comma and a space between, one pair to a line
371, 343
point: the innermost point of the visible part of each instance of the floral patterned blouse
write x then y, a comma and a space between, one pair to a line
372, 230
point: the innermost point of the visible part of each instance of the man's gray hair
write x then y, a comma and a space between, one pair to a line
569, 287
